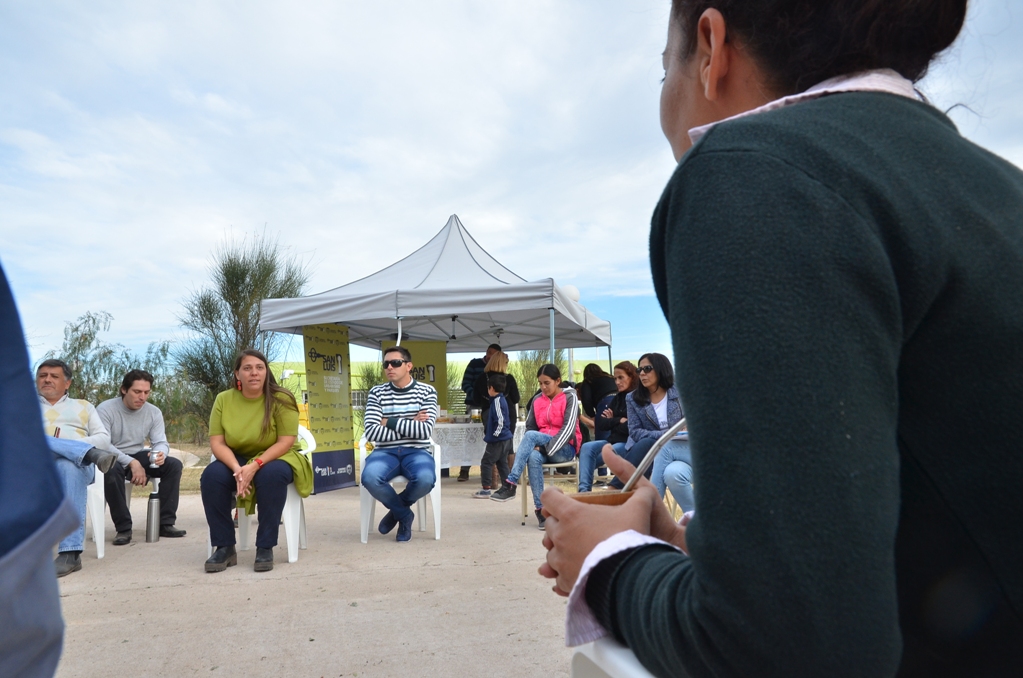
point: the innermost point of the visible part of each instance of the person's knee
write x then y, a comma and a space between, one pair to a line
172, 467
276, 473
216, 474
425, 479
679, 472
373, 474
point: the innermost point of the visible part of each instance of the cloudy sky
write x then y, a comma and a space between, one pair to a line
136, 137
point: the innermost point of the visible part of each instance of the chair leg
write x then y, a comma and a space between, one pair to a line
523, 488
95, 503
292, 518
301, 526
244, 526
367, 506
435, 500
421, 508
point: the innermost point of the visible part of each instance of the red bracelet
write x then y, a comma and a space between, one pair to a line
259, 462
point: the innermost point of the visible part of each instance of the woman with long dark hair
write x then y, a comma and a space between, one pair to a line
614, 420
253, 435
552, 436
653, 408
841, 271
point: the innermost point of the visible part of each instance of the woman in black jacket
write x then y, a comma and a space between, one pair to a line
615, 420
596, 384
841, 270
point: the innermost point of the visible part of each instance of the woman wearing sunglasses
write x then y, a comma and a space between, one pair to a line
552, 436
842, 274
653, 408
612, 420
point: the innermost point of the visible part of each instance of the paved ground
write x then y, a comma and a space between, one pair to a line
470, 604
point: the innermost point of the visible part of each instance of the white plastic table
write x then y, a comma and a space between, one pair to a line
462, 444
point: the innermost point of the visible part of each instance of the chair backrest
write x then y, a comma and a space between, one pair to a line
306, 437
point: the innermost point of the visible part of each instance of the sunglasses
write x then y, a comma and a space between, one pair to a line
643, 369
394, 363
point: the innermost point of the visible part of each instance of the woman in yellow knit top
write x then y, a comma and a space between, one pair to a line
253, 434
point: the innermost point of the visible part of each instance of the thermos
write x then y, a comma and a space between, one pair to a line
153, 514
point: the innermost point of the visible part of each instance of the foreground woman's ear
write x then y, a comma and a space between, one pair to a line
713, 51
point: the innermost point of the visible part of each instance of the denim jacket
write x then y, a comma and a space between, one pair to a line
643, 420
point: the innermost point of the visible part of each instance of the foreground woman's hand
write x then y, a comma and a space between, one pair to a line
574, 529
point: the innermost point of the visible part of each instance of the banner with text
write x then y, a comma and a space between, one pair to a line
328, 385
429, 365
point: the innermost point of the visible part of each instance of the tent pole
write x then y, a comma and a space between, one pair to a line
610, 369
552, 336
397, 341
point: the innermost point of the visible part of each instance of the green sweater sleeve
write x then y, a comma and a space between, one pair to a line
786, 326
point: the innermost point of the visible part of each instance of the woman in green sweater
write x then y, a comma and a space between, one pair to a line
843, 277
253, 434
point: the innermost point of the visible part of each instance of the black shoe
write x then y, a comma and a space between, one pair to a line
122, 538
103, 459
170, 531
506, 492
67, 562
463, 475
222, 558
405, 529
264, 560
541, 519
387, 523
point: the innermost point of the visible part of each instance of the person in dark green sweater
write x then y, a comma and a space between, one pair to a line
843, 277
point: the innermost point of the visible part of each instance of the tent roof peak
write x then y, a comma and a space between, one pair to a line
450, 259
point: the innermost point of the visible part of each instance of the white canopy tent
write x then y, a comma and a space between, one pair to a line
449, 290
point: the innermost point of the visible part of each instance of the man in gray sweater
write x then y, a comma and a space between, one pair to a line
132, 421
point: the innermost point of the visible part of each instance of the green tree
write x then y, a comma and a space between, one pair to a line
97, 366
366, 376
223, 318
528, 364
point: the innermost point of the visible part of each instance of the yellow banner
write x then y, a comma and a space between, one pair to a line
328, 384
429, 365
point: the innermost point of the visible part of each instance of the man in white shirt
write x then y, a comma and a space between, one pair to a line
131, 421
79, 440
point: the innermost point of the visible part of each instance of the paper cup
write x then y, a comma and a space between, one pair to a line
603, 498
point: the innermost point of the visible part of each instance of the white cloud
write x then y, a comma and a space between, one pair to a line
135, 137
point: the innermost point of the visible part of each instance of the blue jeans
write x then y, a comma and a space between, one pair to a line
673, 468
590, 458
526, 456
76, 475
415, 463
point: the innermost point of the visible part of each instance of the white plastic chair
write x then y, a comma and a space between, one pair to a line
605, 658
293, 515
367, 504
524, 481
95, 507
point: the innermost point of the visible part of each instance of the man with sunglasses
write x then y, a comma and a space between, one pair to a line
399, 420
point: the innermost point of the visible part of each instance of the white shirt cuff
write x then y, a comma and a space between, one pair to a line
581, 626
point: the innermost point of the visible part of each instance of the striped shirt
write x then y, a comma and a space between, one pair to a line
399, 406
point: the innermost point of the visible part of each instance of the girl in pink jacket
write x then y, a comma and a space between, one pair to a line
552, 436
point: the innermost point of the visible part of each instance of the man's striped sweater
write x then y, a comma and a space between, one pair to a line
399, 406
